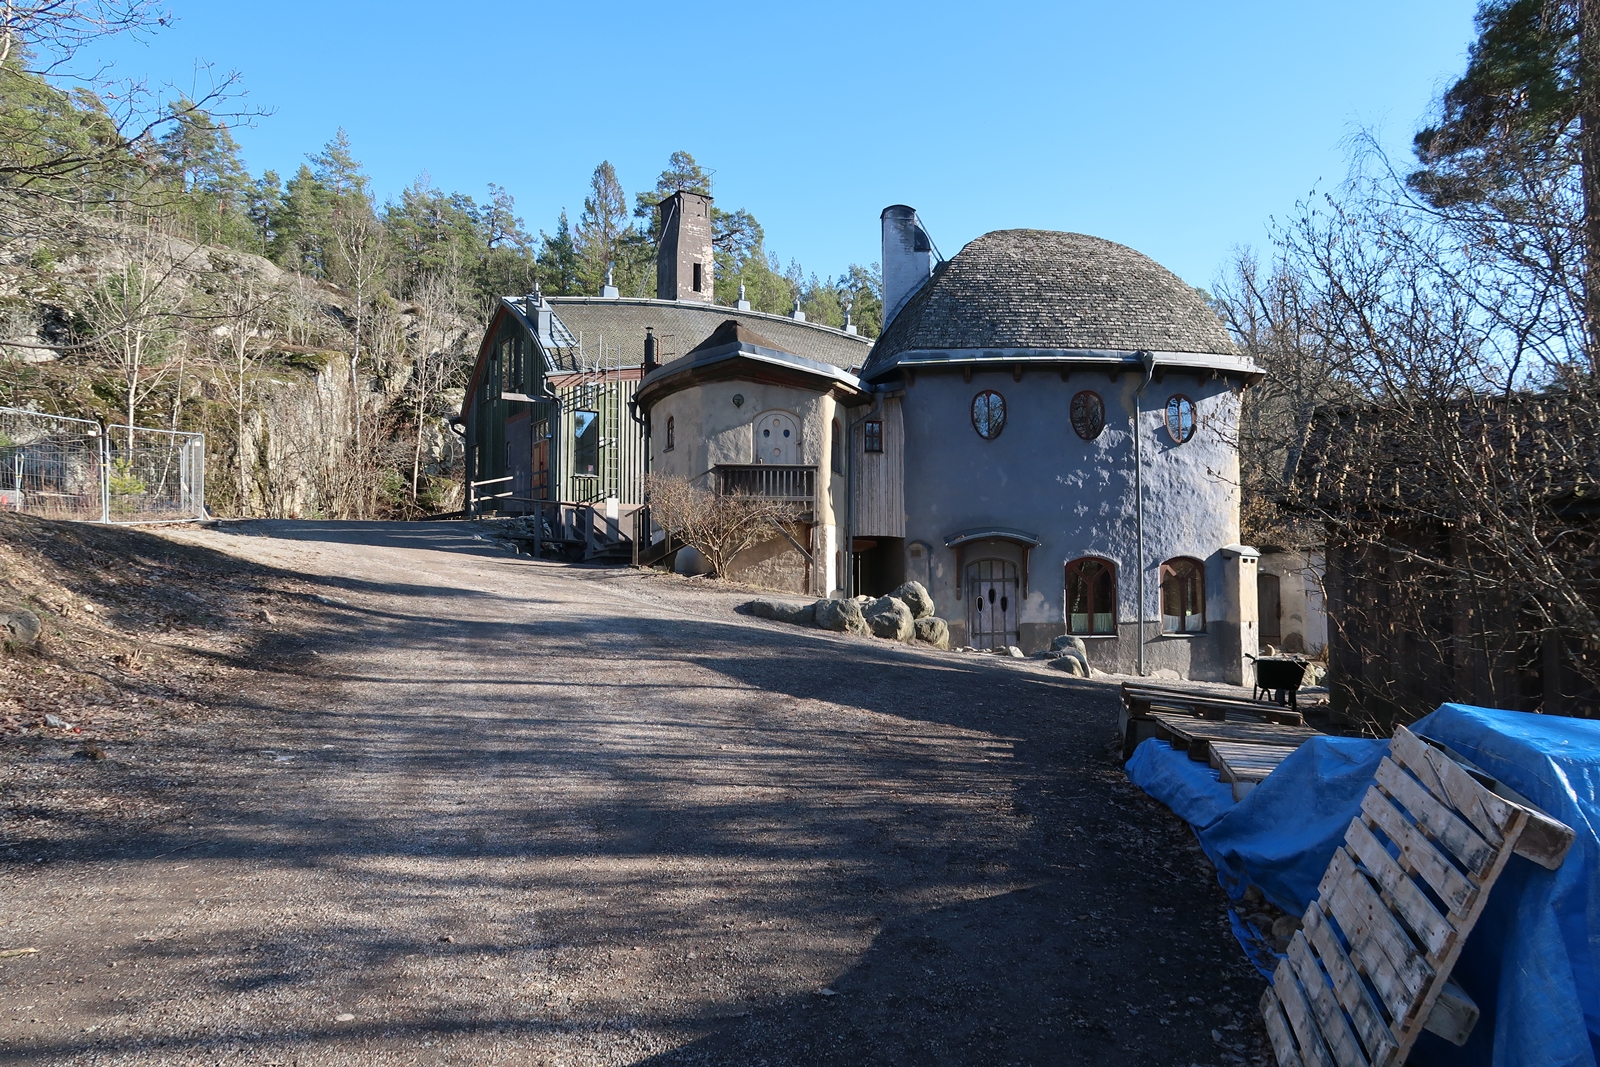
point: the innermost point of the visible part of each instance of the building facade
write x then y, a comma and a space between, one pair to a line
1045, 435
1070, 414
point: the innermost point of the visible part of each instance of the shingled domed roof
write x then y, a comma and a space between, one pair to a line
1044, 290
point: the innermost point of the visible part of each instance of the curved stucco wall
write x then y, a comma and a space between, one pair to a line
1077, 497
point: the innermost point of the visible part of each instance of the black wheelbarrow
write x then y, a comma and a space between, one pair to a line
1282, 676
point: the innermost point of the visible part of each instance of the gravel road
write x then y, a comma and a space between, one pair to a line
478, 809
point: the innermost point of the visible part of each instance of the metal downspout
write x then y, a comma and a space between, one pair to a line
1148, 360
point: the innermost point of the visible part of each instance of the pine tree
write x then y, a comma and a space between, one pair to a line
1527, 107
601, 227
558, 263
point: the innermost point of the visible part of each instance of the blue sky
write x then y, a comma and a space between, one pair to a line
1177, 128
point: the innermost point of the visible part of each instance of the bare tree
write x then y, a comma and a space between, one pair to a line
1436, 381
242, 316
440, 352
359, 241
134, 312
718, 525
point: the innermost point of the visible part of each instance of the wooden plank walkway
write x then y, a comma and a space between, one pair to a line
1370, 968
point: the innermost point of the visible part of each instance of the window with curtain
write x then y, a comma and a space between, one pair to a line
1183, 596
836, 448
1091, 596
671, 434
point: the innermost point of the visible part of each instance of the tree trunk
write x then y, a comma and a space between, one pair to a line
1589, 161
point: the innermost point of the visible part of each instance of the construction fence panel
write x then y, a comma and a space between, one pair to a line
57, 467
155, 475
50, 465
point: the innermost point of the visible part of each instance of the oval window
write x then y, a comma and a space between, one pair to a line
1180, 418
1088, 415
988, 414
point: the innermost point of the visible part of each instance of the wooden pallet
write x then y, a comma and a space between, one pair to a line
1142, 699
1244, 765
1141, 702
1195, 736
1369, 971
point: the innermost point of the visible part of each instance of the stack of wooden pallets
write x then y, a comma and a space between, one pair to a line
1370, 970
1195, 722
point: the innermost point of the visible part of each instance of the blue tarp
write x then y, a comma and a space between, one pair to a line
1533, 961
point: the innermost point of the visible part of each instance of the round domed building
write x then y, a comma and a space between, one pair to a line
1063, 412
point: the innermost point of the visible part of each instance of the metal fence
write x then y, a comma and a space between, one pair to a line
61, 468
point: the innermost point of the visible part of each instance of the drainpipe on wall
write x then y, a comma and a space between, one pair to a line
849, 576
1148, 360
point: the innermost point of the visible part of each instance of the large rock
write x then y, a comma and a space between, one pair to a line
1072, 641
915, 597
933, 630
799, 614
890, 619
844, 616
19, 628
1072, 662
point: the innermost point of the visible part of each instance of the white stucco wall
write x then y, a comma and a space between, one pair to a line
710, 429
1077, 496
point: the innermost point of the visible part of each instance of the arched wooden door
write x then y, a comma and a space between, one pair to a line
992, 603
777, 438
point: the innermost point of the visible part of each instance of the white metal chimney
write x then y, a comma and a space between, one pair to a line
907, 258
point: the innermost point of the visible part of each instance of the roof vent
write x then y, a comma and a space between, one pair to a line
743, 305
797, 315
609, 289
849, 327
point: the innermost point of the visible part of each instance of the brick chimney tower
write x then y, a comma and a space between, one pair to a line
683, 251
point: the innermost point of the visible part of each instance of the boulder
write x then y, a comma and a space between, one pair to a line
19, 628
915, 597
842, 615
932, 630
1014, 652
1072, 641
1071, 662
799, 614
890, 619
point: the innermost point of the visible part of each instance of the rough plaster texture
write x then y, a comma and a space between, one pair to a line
709, 428
1077, 496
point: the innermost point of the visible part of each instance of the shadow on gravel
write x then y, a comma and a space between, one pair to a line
1112, 952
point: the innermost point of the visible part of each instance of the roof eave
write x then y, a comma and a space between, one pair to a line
1074, 357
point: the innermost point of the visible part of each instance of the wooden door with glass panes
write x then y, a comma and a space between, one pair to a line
992, 603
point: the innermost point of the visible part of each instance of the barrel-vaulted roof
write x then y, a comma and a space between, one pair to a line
619, 324
1038, 294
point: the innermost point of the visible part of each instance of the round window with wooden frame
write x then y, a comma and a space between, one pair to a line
1088, 415
988, 414
1180, 418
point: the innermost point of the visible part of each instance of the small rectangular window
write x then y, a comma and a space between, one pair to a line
699, 279
874, 435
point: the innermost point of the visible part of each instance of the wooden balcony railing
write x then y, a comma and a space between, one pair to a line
768, 480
